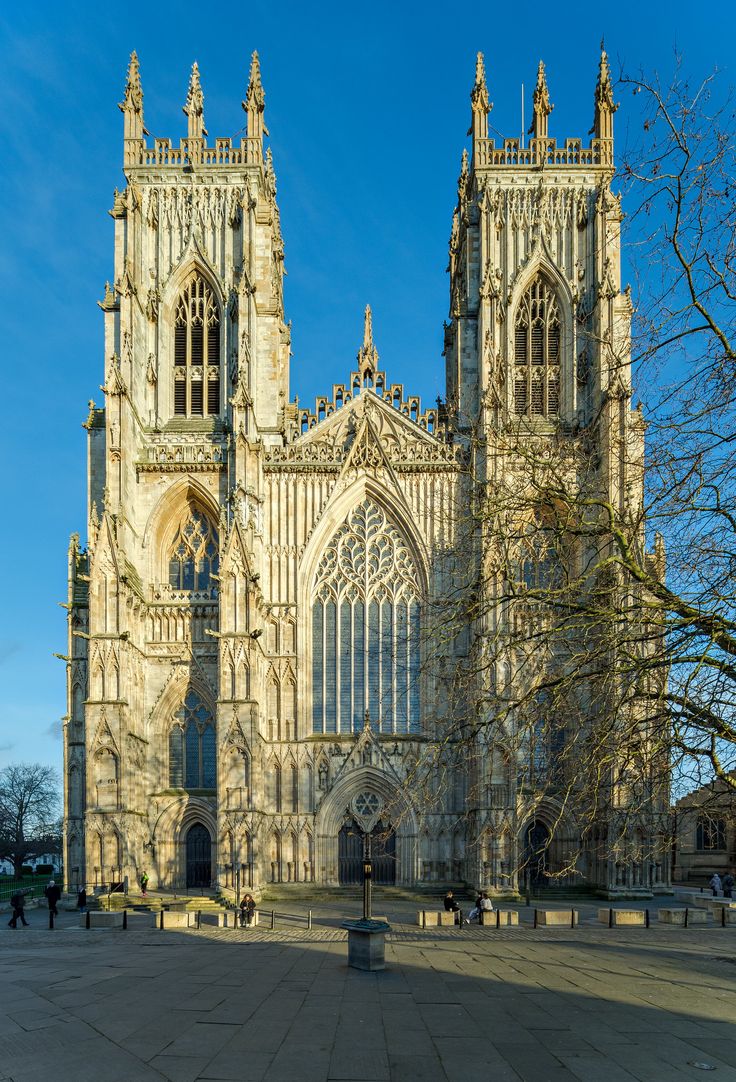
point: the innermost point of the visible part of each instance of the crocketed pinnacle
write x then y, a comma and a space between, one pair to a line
605, 106
479, 104
132, 103
368, 354
255, 96
541, 105
194, 107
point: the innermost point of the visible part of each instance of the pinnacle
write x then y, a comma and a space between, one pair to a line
194, 107
479, 93
368, 354
541, 104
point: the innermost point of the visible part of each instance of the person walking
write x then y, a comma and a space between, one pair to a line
18, 901
715, 884
82, 899
53, 894
247, 909
727, 884
144, 883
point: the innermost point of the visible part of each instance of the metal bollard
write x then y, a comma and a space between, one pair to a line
610, 917
687, 911
535, 918
646, 918
125, 920
51, 920
723, 916
87, 921
161, 920
424, 919
572, 918
309, 919
498, 918
199, 919
273, 919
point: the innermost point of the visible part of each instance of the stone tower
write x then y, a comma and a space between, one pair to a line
248, 684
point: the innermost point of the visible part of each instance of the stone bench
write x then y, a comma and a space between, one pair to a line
565, 918
499, 918
619, 917
101, 918
227, 918
431, 918
677, 916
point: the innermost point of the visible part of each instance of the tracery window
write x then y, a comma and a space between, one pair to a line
537, 336
197, 351
192, 746
194, 555
540, 567
365, 629
710, 834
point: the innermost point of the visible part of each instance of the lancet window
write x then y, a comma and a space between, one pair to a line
192, 747
537, 335
194, 556
197, 351
365, 629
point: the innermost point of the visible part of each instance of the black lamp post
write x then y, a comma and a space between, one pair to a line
367, 876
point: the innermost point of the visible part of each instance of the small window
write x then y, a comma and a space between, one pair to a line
194, 555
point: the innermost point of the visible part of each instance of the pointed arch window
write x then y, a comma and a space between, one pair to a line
537, 337
365, 629
192, 746
197, 351
194, 554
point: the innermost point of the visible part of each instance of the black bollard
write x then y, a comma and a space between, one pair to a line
610, 918
199, 919
723, 916
646, 918
498, 918
273, 919
125, 920
687, 911
51, 919
535, 918
161, 921
87, 921
572, 918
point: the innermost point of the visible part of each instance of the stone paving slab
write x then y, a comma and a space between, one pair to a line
590, 1004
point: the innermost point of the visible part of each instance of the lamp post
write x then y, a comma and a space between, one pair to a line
367, 876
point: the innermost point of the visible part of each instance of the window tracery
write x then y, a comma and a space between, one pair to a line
365, 628
537, 336
194, 554
197, 351
192, 762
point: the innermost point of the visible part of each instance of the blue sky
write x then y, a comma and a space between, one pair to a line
367, 108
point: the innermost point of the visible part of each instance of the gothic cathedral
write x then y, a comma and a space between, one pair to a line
248, 674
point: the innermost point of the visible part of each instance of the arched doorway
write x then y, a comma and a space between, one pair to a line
350, 854
536, 852
199, 856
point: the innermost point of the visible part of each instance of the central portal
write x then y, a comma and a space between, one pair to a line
199, 856
350, 854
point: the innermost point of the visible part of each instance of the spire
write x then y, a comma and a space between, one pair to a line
194, 108
541, 106
479, 103
368, 354
605, 106
254, 104
132, 103
462, 180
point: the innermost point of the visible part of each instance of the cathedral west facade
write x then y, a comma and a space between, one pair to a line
250, 678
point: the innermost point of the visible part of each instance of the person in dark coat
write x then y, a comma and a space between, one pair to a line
53, 893
18, 901
82, 900
451, 906
727, 884
247, 909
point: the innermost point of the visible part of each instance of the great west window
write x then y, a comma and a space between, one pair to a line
365, 629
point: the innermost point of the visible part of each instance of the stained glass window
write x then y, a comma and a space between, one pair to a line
197, 352
192, 756
366, 622
194, 555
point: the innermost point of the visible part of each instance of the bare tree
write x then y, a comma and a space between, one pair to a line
604, 652
29, 803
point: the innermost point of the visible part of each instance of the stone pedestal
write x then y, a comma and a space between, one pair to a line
366, 943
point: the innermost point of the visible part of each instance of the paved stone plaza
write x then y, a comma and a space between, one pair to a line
589, 1004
